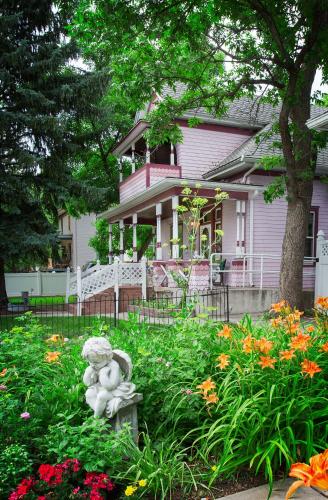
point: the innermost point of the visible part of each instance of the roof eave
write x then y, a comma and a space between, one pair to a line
221, 121
133, 135
319, 123
171, 182
233, 167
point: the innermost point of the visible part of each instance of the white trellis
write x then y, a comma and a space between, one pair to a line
321, 278
109, 276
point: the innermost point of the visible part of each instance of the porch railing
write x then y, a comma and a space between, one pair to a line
252, 270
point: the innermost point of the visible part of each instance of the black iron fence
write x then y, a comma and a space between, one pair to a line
159, 309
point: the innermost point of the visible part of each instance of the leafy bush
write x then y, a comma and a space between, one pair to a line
15, 463
217, 399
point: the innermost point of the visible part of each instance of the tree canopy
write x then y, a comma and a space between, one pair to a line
222, 50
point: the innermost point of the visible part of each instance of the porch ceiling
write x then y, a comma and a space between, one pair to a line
144, 204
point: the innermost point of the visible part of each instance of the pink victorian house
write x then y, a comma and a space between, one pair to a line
220, 152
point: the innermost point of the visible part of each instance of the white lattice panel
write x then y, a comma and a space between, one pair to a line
324, 250
105, 278
130, 274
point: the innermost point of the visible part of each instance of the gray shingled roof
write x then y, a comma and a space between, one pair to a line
258, 146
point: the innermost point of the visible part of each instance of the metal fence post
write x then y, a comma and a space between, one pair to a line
228, 312
68, 280
261, 274
79, 289
116, 284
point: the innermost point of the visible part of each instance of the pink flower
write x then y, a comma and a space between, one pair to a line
188, 391
3, 387
25, 415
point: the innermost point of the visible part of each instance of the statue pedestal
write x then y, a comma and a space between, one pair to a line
127, 413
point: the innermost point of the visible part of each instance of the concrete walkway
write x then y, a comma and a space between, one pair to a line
279, 492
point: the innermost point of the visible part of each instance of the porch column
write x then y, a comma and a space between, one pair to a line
110, 244
133, 158
159, 250
240, 236
175, 227
172, 155
121, 225
147, 153
134, 237
120, 169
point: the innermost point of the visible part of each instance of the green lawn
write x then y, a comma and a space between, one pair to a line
36, 301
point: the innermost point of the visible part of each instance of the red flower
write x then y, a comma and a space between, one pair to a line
51, 474
22, 489
73, 463
98, 481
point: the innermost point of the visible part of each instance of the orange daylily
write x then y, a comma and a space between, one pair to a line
211, 398
301, 342
287, 355
247, 344
3, 372
264, 345
310, 328
207, 386
315, 474
293, 328
324, 347
223, 361
267, 362
322, 302
54, 338
310, 367
278, 306
52, 356
276, 322
225, 332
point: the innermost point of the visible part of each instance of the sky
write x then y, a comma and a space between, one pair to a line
317, 83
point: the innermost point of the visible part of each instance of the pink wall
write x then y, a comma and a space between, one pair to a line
203, 148
132, 186
157, 173
269, 228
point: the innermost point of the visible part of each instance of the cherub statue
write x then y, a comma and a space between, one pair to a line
107, 378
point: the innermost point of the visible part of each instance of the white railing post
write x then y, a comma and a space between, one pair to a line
79, 289
110, 243
68, 282
116, 283
261, 273
144, 278
319, 268
244, 269
172, 162
98, 265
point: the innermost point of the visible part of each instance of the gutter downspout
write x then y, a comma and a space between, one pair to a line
251, 236
248, 173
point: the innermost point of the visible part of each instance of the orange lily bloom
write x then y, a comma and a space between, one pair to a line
223, 361
54, 338
207, 386
322, 302
52, 356
225, 332
310, 367
264, 345
315, 474
247, 344
3, 372
211, 398
287, 355
267, 362
276, 322
301, 342
310, 328
278, 306
324, 347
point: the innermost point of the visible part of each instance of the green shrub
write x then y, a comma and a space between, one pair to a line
15, 464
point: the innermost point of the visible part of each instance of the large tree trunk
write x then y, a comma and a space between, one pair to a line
300, 159
3, 292
291, 271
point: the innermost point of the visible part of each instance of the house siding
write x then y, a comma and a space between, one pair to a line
84, 229
202, 149
269, 229
133, 186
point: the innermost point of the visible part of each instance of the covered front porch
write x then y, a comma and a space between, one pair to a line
157, 206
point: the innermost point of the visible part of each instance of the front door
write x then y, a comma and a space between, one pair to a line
205, 236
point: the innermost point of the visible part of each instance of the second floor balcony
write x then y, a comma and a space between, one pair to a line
148, 165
